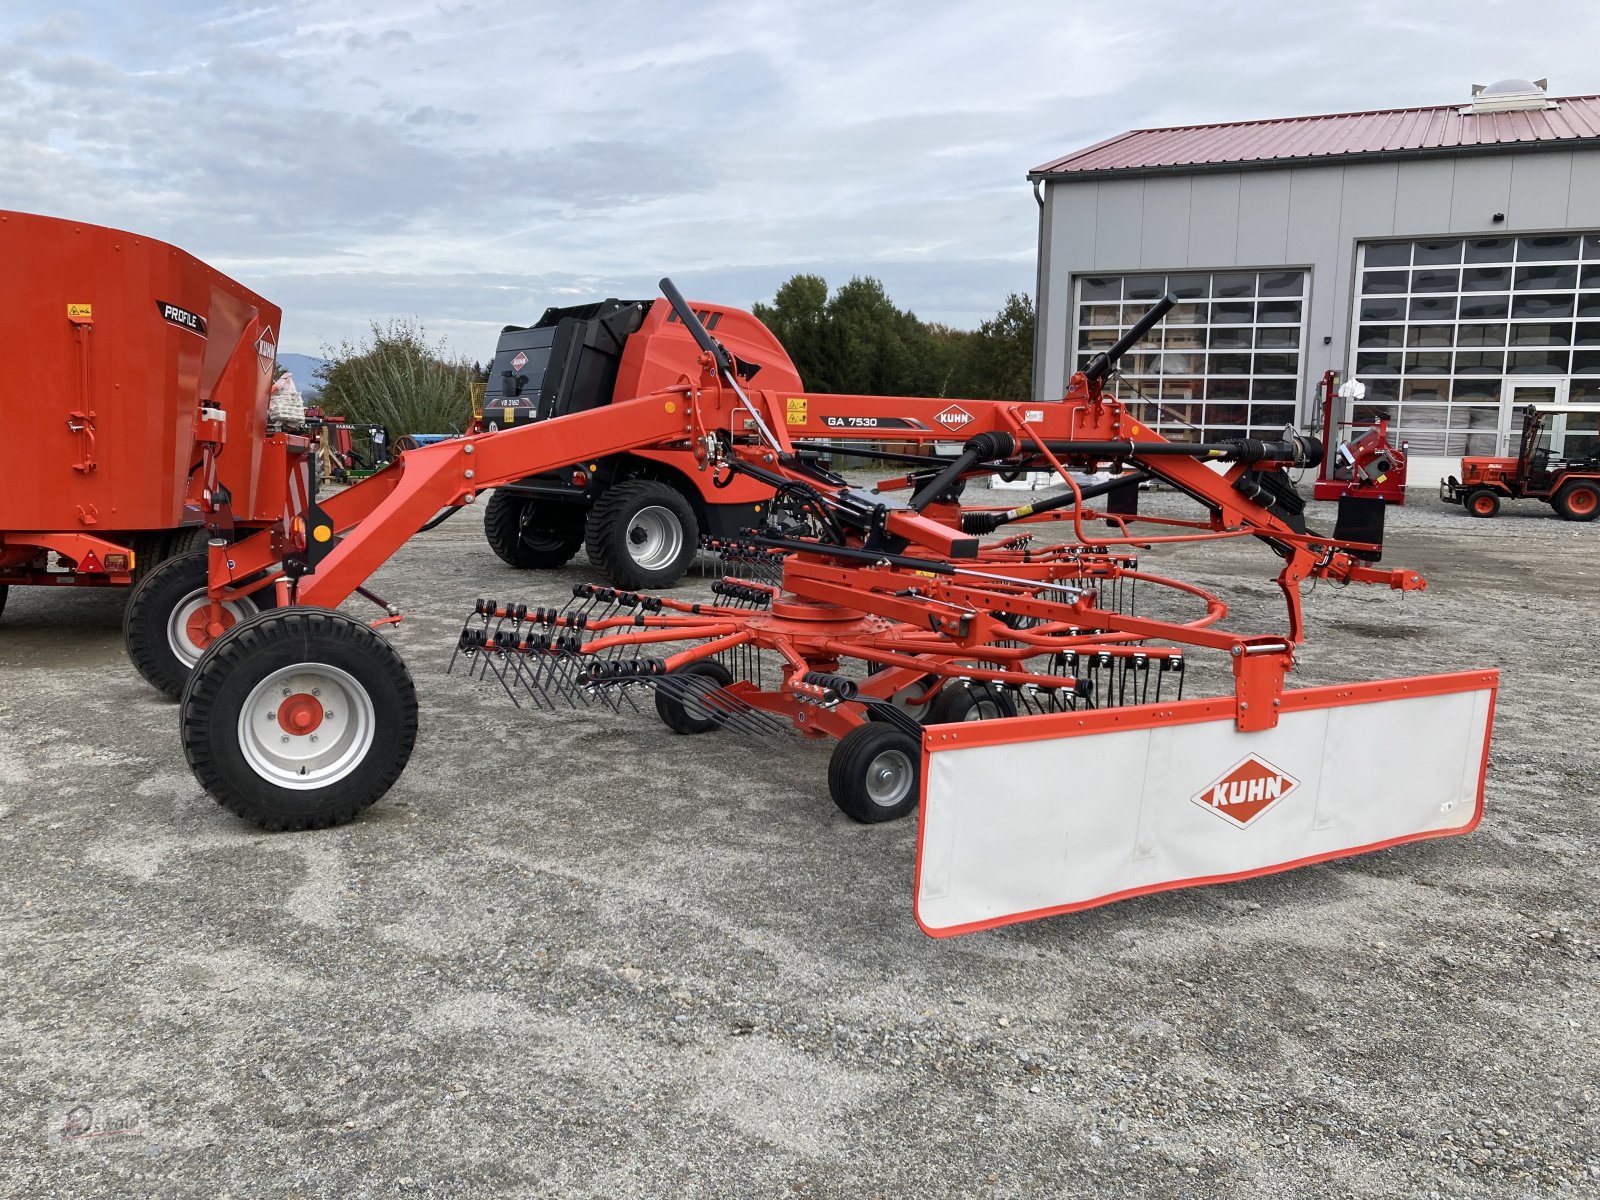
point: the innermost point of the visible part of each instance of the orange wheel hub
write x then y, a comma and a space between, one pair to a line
300, 714
1581, 501
201, 631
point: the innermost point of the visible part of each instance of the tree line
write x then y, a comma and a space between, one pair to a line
858, 342
854, 341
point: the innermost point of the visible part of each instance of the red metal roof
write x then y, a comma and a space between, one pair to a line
1384, 131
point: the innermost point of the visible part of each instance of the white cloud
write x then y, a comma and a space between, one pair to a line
470, 163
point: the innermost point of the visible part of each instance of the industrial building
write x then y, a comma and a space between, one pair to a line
1446, 257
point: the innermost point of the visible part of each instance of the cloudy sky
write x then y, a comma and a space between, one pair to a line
469, 163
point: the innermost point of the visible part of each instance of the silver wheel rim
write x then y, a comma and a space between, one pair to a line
655, 538
984, 708
324, 754
178, 639
889, 777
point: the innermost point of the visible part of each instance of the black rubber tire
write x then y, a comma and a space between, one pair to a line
859, 757
608, 540
149, 552
245, 657
5, 590
687, 718
188, 540
530, 534
1486, 499
969, 702
153, 601
1588, 496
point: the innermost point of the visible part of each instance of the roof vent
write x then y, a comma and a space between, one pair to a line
1509, 94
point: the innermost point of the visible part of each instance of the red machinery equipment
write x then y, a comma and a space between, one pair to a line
1557, 461
639, 515
889, 625
1363, 463
130, 365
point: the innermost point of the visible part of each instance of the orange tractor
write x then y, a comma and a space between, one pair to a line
1556, 461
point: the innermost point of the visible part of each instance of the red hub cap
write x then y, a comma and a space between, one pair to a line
202, 631
1581, 501
300, 714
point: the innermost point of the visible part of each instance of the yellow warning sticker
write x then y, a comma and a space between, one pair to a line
511, 415
797, 410
80, 312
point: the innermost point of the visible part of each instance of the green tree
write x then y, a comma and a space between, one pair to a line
999, 356
858, 341
400, 380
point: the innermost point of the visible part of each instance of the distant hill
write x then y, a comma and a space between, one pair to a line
306, 371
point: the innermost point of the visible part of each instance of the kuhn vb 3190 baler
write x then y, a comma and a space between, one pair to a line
1012, 688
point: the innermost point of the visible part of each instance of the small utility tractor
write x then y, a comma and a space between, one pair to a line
1029, 696
640, 515
1568, 480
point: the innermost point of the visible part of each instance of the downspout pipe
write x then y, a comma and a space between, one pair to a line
1038, 299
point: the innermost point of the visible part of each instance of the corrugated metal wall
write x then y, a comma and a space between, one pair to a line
1305, 217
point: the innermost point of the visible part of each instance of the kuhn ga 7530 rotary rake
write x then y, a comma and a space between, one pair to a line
1009, 687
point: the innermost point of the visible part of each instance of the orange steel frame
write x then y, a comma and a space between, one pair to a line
345, 540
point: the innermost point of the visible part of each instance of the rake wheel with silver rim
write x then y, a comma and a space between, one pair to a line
299, 719
642, 534
168, 624
958, 702
875, 773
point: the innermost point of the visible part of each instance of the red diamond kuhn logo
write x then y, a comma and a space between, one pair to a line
954, 418
266, 350
520, 361
1246, 791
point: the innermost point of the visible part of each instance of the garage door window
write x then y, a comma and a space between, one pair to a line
1443, 326
1226, 362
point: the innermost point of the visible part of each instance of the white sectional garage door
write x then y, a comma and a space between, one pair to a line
1448, 330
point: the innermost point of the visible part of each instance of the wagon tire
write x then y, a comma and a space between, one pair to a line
187, 540
1483, 502
161, 626
1578, 501
531, 534
642, 534
298, 719
686, 716
972, 702
875, 773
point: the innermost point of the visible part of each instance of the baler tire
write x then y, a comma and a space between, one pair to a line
262, 675
1482, 502
5, 590
521, 540
683, 718
972, 702
642, 512
875, 773
1578, 501
153, 623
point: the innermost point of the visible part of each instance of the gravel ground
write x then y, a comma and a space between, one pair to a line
581, 956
